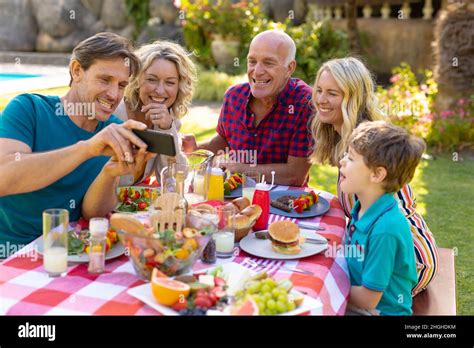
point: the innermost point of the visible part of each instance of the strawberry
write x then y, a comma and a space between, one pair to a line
142, 205
203, 302
180, 305
218, 292
201, 293
218, 281
213, 298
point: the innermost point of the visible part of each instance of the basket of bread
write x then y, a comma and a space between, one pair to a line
245, 218
172, 241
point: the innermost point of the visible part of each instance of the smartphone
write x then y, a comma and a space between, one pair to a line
158, 142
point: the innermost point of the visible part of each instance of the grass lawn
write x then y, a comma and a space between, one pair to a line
444, 191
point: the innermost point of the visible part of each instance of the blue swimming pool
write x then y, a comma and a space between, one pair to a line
4, 77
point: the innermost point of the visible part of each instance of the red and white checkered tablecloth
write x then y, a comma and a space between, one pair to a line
25, 289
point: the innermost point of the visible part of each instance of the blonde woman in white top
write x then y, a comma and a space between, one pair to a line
159, 97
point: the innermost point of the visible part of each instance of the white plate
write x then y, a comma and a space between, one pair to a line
117, 250
235, 272
263, 247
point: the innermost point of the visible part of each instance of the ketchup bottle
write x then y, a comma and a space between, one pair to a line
262, 198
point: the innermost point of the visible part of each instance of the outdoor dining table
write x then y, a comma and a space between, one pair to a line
25, 288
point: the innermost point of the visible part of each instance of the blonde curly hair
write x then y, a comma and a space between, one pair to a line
186, 70
359, 104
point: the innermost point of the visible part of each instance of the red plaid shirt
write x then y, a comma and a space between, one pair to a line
283, 132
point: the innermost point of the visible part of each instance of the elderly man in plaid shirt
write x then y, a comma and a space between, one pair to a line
267, 116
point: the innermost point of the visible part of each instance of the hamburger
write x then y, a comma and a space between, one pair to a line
285, 237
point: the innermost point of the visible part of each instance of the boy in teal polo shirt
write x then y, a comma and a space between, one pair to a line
380, 160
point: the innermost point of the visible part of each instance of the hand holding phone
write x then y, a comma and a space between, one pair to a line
158, 142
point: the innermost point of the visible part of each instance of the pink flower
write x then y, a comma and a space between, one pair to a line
461, 101
424, 87
395, 78
426, 118
407, 93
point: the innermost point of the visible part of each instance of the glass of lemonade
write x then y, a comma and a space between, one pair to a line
225, 234
250, 179
55, 239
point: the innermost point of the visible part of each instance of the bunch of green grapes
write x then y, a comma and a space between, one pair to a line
271, 297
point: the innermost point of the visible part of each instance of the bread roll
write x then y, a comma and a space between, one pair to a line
241, 222
204, 206
231, 206
241, 203
126, 223
253, 212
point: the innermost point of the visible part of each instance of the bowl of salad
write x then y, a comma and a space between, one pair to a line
172, 252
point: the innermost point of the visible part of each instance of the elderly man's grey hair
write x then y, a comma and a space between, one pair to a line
284, 38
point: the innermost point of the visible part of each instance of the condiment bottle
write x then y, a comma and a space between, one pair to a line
97, 244
209, 253
216, 185
180, 176
262, 198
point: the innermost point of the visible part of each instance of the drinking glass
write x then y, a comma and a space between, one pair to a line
250, 180
225, 234
55, 238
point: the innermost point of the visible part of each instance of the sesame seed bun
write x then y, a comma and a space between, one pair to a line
284, 231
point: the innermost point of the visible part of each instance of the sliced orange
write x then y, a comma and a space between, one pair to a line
168, 291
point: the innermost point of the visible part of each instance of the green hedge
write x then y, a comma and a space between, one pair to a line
213, 84
316, 43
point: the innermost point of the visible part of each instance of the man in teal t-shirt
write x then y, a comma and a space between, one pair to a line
383, 236
68, 152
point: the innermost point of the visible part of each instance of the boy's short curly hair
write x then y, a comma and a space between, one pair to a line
383, 144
